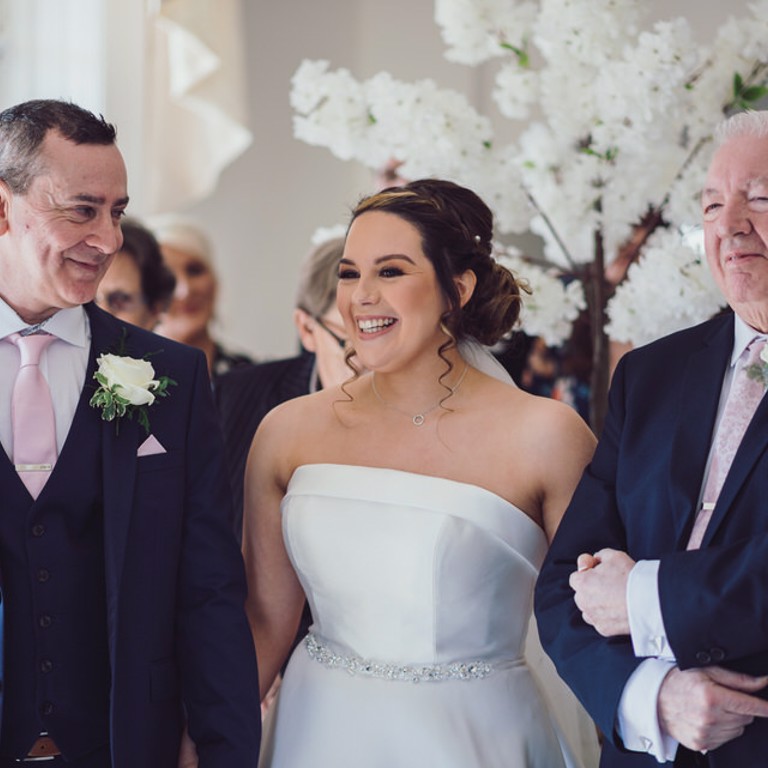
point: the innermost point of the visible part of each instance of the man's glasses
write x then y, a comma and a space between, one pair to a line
342, 342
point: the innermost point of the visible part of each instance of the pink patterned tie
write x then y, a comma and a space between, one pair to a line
743, 399
34, 426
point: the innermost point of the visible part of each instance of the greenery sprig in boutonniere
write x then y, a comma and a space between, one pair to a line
759, 371
127, 386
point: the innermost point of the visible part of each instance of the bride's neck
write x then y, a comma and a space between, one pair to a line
415, 386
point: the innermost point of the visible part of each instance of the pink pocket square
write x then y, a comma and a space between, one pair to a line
150, 447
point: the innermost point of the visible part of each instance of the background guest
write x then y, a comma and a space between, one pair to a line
248, 393
188, 253
138, 285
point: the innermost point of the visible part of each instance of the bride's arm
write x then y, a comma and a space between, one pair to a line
275, 597
566, 447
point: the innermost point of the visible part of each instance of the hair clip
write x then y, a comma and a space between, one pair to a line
477, 239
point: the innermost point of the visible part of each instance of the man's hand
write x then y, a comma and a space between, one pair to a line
707, 707
600, 584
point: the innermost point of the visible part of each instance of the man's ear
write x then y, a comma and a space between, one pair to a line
5, 206
305, 325
465, 285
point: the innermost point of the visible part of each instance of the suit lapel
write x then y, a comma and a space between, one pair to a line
701, 389
119, 448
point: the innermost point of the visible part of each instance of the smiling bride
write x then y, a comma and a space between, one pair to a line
412, 506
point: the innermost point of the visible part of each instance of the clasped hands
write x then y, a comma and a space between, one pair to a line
700, 708
600, 586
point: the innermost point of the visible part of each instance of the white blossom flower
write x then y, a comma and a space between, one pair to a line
668, 289
515, 91
553, 305
476, 30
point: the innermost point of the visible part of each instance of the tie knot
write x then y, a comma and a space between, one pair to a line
754, 350
31, 346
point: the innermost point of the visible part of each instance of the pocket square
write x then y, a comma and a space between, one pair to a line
150, 447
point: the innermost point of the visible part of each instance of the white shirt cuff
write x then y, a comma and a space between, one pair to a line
646, 626
638, 718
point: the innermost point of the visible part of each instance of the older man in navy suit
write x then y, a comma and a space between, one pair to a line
122, 582
653, 601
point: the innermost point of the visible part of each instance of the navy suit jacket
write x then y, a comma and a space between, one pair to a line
179, 641
244, 396
639, 495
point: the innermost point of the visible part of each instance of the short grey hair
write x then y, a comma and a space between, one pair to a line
24, 127
750, 123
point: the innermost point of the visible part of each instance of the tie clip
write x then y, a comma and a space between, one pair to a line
708, 506
33, 467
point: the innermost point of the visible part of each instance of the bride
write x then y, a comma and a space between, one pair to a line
412, 506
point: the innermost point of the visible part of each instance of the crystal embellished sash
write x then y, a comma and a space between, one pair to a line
322, 653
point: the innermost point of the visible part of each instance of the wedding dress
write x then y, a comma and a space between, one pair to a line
421, 591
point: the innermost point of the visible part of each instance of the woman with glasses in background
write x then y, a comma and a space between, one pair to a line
245, 395
138, 286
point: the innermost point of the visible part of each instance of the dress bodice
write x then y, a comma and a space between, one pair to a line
408, 568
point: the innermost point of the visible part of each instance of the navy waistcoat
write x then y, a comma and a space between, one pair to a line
52, 560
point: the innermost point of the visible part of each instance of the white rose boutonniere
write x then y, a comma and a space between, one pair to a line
127, 386
759, 371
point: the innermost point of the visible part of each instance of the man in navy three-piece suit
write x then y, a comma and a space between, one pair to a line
123, 587
653, 600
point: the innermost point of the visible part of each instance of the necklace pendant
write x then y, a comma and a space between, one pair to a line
418, 419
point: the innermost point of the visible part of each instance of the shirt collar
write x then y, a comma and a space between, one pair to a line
743, 335
70, 325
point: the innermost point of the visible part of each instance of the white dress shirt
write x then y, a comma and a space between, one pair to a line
638, 712
63, 364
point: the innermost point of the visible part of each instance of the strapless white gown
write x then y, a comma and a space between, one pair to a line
421, 592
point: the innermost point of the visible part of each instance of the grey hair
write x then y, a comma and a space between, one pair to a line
24, 127
750, 123
316, 292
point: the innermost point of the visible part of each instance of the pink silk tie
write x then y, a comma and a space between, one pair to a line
743, 399
34, 426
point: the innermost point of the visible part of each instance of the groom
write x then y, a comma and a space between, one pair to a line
123, 587
653, 600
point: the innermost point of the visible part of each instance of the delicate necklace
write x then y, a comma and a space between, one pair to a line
418, 418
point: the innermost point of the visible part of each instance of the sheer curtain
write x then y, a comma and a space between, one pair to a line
196, 104
169, 73
53, 49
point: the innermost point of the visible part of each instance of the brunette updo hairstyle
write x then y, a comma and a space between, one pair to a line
456, 228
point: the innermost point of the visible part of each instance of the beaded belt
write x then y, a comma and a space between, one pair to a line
412, 673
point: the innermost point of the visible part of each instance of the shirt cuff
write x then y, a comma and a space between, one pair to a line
646, 625
638, 718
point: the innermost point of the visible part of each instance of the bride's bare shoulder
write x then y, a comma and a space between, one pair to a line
534, 419
308, 414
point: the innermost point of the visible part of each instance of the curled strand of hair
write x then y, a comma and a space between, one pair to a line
449, 343
349, 353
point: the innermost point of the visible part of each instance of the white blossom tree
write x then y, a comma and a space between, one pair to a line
615, 121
